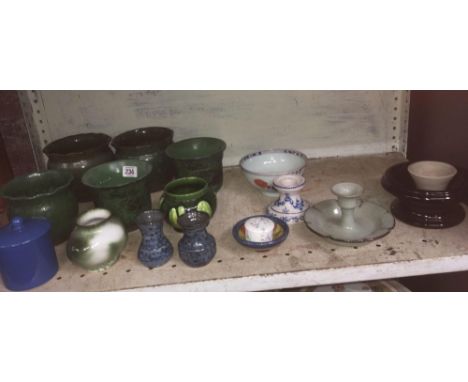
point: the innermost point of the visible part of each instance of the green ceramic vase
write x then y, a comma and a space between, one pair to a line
77, 153
185, 194
202, 157
97, 240
148, 144
44, 194
122, 188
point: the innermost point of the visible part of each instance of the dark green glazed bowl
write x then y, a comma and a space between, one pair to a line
77, 153
124, 196
44, 194
202, 157
148, 144
187, 193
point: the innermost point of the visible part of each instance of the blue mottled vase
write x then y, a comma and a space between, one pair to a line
155, 249
197, 247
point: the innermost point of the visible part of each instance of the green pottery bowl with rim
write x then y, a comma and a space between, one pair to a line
185, 194
77, 153
202, 157
148, 144
122, 188
45, 194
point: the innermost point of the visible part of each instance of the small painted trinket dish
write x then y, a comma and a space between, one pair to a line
347, 220
262, 167
280, 233
290, 207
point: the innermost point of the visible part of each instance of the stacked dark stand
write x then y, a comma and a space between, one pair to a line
427, 209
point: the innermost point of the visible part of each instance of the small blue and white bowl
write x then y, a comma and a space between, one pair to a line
280, 233
262, 167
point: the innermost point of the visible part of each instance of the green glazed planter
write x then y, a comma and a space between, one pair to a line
202, 157
124, 194
97, 240
44, 194
148, 144
183, 194
77, 153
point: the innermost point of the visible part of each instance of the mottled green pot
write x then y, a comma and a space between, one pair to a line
97, 240
202, 157
44, 194
148, 144
187, 193
77, 153
125, 197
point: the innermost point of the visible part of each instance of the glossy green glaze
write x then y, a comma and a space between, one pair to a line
202, 157
148, 144
77, 153
97, 240
185, 193
44, 194
125, 197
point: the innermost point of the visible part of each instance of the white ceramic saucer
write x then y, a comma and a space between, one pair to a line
371, 223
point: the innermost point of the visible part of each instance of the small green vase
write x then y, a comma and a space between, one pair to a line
185, 194
122, 188
45, 194
148, 144
201, 157
97, 240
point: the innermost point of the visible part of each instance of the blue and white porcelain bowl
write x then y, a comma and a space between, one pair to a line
262, 167
280, 233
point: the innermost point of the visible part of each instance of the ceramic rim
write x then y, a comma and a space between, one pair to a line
144, 169
412, 166
173, 146
153, 216
174, 183
67, 180
99, 140
93, 217
261, 152
143, 137
275, 184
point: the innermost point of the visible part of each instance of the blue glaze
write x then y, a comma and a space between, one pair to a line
27, 255
197, 247
155, 249
260, 246
282, 204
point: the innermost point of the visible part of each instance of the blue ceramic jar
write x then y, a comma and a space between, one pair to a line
197, 247
155, 249
27, 255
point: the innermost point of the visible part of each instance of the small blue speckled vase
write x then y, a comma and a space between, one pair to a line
155, 249
197, 247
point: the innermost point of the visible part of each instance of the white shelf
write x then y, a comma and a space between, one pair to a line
303, 259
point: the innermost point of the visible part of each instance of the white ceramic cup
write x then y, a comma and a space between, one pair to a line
259, 229
432, 175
